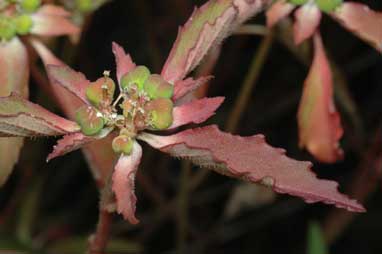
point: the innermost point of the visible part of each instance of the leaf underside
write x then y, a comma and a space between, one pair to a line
251, 159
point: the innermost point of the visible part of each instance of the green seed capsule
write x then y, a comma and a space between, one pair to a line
298, 2
328, 5
123, 144
101, 91
30, 5
156, 87
23, 24
137, 77
160, 113
7, 28
84, 5
90, 120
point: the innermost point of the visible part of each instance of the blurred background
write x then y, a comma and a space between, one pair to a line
53, 208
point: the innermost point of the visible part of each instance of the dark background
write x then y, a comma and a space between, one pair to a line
44, 207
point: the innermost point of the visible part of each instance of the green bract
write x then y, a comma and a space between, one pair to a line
30, 5
156, 87
101, 91
137, 77
328, 5
7, 28
123, 144
160, 113
298, 2
90, 120
23, 24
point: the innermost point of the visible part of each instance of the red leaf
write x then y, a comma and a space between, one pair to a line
74, 141
74, 82
52, 20
69, 143
251, 159
362, 21
183, 87
19, 117
123, 61
278, 11
206, 27
319, 122
124, 183
308, 18
196, 111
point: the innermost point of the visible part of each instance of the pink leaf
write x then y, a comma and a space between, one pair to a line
123, 61
319, 122
183, 87
14, 76
75, 141
278, 11
362, 21
251, 159
69, 143
124, 183
74, 82
19, 117
196, 111
206, 27
308, 18
52, 20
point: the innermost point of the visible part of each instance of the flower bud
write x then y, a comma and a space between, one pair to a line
23, 24
137, 77
160, 113
298, 2
328, 5
123, 144
101, 91
156, 87
30, 5
90, 120
7, 28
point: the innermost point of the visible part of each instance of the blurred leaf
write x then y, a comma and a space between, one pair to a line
28, 212
316, 243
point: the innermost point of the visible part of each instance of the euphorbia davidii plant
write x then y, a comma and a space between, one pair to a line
319, 122
149, 103
23, 19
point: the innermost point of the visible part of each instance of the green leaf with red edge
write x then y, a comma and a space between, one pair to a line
362, 21
22, 118
206, 27
124, 183
318, 120
196, 111
14, 76
251, 159
52, 20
